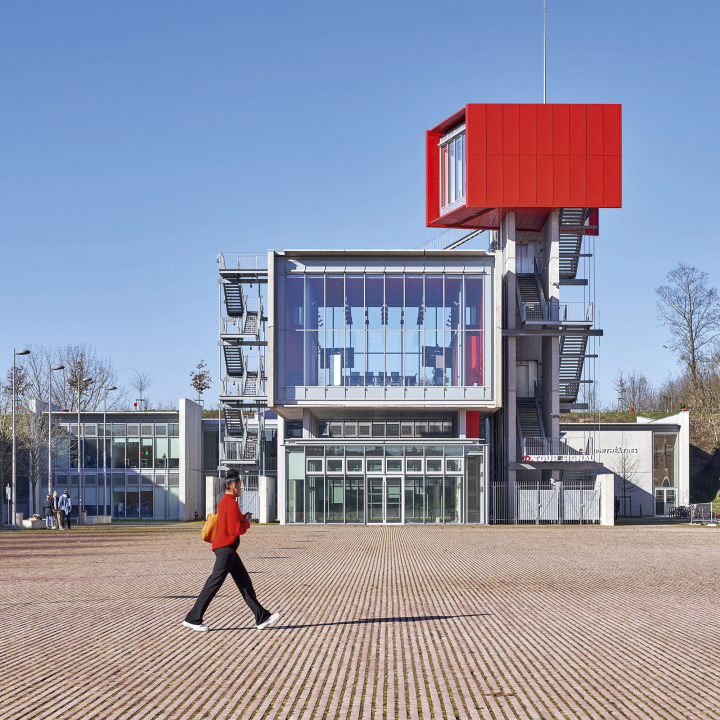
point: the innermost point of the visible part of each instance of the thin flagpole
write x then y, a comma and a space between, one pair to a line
544, 58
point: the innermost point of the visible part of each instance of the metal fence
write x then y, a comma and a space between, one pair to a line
498, 504
543, 503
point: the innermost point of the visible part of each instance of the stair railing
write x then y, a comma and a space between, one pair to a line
536, 395
538, 283
521, 304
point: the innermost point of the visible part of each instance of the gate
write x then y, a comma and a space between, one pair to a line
543, 503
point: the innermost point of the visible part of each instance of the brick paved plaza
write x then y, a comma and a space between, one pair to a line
406, 622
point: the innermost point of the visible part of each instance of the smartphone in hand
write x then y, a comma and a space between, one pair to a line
248, 516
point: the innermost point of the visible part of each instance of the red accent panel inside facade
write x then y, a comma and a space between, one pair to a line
594, 130
561, 130
578, 180
477, 180
494, 129
472, 424
528, 180
511, 179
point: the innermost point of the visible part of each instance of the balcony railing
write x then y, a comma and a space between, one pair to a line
533, 446
242, 261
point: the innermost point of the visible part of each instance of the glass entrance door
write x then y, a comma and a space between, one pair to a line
664, 501
384, 500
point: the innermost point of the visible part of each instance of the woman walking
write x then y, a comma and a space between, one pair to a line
231, 523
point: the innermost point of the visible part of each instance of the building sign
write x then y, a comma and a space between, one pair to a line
558, 458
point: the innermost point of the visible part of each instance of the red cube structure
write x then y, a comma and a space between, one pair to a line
490, 159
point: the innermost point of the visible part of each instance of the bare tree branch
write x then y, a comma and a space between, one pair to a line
690, 309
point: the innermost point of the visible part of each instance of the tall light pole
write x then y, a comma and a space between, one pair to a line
14, 472
82, 383
105, 448
57, 367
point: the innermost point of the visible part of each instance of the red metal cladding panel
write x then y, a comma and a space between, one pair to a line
545, 181
528, 130
594, 181
495, 180
611, 129
477, 181
612, 181
432, 174
594, 129
561, 129
494, 130
578, 130
561, 181
528, 180
578, 181
476, 130
544, 129
511, 179
511, 129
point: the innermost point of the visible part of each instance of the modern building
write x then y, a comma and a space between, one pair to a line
148, 465
426, 385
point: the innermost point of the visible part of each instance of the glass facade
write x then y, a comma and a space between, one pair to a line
142, 462
404, 330
390, 484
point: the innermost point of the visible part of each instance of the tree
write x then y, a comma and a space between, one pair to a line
690, 309
200, 379
141, 382
80, 361
635, 392
627, 474
32, 445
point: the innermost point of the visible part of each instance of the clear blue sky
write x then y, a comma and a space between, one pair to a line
139, 139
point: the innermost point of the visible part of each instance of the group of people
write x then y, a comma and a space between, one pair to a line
57, 511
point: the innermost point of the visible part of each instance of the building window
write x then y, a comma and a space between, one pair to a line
401, 330
664, 460
452, 167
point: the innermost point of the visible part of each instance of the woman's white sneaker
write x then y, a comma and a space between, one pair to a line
200, 627
270, 621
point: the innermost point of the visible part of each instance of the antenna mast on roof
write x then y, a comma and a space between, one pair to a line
544, 59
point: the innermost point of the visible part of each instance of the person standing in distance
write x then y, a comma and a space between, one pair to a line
231, 524
65, 508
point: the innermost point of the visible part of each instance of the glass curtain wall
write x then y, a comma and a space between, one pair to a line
336, 484
142, 477
380, 330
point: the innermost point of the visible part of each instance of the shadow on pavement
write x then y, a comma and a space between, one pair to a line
364, 621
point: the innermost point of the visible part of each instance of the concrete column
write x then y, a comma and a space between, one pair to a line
507, 242
281, 472
211, 494
606, 483
550, 263
268, 495
190, 459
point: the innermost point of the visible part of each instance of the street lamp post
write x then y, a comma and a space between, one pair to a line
105, 448
57, 367
82, 382
14, 472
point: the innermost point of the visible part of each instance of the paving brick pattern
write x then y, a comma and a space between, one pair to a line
397, 622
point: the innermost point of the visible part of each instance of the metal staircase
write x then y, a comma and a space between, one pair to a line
530, 426
573, 348
572, 230
243, 339
573, 351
